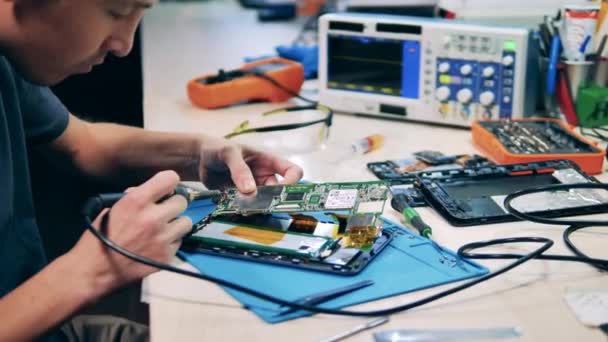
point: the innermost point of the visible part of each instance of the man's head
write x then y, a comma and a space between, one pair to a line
49, 40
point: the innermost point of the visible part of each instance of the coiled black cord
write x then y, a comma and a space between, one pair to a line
573, 225
546, 244
464, 251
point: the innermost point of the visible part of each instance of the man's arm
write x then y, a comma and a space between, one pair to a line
127, 154
48, 298
131, 155
138, 223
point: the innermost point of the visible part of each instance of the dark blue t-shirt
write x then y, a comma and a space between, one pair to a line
29, 115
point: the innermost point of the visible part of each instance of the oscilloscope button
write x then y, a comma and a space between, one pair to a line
464, 95
446, 42
488, 72
442, 93
444, 67
486, 98
466, 69
508, 60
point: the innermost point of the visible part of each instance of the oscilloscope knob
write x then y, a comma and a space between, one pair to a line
508, 60
487, 98
442, 93
444, 67
466, 69
488, 72
464, 95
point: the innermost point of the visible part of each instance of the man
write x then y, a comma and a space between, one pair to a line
41, 43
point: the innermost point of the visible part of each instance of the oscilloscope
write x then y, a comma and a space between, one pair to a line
422, 69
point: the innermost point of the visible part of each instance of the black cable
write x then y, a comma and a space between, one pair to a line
222, 76
566, 236
555, 187
573, 225
546, 244
328, 120
464, 251
280, 86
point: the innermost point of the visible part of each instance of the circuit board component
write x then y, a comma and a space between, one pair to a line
355, 197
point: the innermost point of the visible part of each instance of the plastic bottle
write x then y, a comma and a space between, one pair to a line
358, 147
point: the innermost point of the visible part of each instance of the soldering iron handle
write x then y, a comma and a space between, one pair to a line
94, 205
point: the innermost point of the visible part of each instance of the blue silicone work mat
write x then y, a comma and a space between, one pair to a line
409, 263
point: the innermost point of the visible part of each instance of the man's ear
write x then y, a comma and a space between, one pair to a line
8, 17
7, 10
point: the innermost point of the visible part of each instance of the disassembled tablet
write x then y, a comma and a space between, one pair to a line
473, 196
313, 241
405, 171
330, 227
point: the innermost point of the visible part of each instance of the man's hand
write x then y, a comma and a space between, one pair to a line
141, 225
223, 164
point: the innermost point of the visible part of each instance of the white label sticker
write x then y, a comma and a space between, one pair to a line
569, 176
341, 199
589, 306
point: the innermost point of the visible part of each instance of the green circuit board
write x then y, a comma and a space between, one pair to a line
355, 197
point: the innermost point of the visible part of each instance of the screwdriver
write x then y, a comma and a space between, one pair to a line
399, 203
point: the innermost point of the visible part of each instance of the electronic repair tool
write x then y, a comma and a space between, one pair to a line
427, 70
400, 203
251, 82
95, 204
411, 216
326, 296
531, 140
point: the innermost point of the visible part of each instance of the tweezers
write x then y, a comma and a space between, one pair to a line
325, 296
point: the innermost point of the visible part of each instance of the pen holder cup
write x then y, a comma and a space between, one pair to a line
592, 106
571, 78
601, 78
577, 73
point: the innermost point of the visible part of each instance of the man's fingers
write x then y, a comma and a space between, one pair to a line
161, 184
171, 207
290, 172
239, 170
271, 180
173, 247
178, 228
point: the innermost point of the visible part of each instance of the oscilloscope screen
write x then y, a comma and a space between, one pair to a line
373, 65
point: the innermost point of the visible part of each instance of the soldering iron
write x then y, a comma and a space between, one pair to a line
94, 205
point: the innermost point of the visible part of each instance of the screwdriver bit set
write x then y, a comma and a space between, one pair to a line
533, 140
